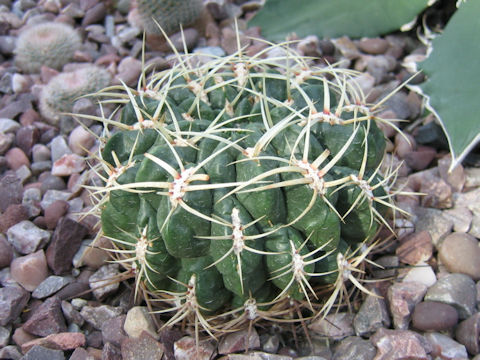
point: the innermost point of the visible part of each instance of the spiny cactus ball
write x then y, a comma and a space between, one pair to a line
242, 186
59, 95
49, 44
169, 14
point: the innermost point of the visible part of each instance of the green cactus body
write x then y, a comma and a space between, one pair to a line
236, 182
168, 14
48, 44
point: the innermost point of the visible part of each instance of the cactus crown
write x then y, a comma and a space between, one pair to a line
49, 44
238, 186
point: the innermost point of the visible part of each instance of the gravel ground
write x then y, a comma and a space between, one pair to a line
428, 308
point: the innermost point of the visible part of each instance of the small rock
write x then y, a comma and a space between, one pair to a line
354, 348
143, 347
372, 315
10, 352
14, 214
472, 178
420, 159
139, 320
29, 270
27, 238
66, 241
404, 144
438, 194
270, 343
460, 253
26, 137
11, 191
433, 221
4, 336
101, 281
71, 314
46, 319
444, 347
16, 158
50, 286
468, 333
456, 177
402, 298
93, 253
346, 47
13, 300
239, 341
68, 164
80, 140
94, 14
6, 252
229, 40
111, 352
309, 46
112, 330
54, 212
129, 70
400, 344
61, 341
59, 147
422, 273
373, 46
434, 316
461, 217
53, 195
6, 141
457, 290
415, 248
186, 349
8, 125
388, 266
42, 353
97, 316
336, 326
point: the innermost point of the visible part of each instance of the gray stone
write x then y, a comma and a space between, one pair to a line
186, 349
42, 353
11, 191
144, 347
53, 195
101, 281
26, 237
372, 315
58, 148
458, 290
9, 125
10, 352
13, 300
402, 298
4, 335
354, 348
6, 252
400, 344
112, 330
434, 316
468, 333
31, 201
50, 286
433, 221
71, 314
444, 347
460, 253
97, 316
336, 326
238, 341
461, 218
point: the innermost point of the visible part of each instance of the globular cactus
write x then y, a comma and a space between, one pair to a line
168, 14
59, 95
242, 185
49, 44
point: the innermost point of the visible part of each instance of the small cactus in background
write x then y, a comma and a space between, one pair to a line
168, 14
242, 187
59, 95
49, 44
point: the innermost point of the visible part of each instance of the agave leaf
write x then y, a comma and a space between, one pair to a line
327, 18
452, 87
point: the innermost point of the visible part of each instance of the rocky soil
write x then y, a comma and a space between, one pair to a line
57, 300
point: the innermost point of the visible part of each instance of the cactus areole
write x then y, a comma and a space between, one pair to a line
242, 183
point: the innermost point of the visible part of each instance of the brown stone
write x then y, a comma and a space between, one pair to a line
460, 253
415, 248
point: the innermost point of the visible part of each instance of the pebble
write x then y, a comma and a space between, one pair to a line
80, 140
421, 273
444, 347
8, 125
97, 316
10, 352
336, 326
6, 252
59, 147
346, 47
16, 158
468, 333
54, 212
402, 298
400, 344
4, 336
11, 191
53, 195
420, 159
14, 214
26, 237
354, 348
112, 330
139, 320
461, 217
13, 300
186, 349
404, 144
373, 46
103, 283
6, 141
143, 347
50, 286
460, 253
94, 14
438, 194
42, 353
46, 319
61, 341
129, 69
26, 137
93, 253
434, 316
239, 341
415, 248
434, 222
472, 178
372, 315
66, 240
458, 290
71, 314
68, 164
229, 43
29, 270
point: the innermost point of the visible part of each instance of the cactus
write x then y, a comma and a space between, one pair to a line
59, 95
241, 186
168, 14
49, 44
